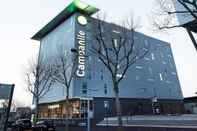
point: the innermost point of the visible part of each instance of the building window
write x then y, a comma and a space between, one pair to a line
137, 77
115, 31
99, 60
163, 62
133, 47
161, 54
160, 76
150, 70
146, 58
89, 58
115, 42
119, 75
84, 88
102, 77
138, 67
170, 56
152, 56
89, 76
118, 66
171, 65
146, 42
105, 89
173, 73
135, 37
145, 49
151, 80
169, 82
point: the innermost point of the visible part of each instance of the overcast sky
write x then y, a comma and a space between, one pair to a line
21, 19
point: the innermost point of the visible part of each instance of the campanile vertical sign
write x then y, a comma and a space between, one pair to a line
81, 46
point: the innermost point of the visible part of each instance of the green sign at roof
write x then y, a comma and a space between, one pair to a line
85, 7
75, 6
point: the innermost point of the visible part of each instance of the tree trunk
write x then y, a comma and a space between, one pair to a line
67, 113
36, 109
67, 94
118, 106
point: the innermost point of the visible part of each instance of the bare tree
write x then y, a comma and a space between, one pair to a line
63, 74
118, 52
64, 70
38, 80
164, 15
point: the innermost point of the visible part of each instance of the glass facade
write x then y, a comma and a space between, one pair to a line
156, 71
153, 76
58, 42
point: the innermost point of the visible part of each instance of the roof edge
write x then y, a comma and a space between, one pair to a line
75, 6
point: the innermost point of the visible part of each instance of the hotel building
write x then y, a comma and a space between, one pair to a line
150, 83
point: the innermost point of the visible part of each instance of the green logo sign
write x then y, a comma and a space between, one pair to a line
82, 20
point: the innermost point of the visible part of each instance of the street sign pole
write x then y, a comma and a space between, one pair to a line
8, 109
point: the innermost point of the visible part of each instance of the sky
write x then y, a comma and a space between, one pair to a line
21, 19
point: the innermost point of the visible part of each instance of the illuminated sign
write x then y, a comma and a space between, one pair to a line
81, 41
82, 20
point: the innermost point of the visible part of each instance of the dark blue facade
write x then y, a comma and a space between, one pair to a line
153, 76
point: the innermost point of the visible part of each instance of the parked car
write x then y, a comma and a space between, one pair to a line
10, 123
44, 126
21, 125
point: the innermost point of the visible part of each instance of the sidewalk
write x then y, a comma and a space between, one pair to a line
183, 121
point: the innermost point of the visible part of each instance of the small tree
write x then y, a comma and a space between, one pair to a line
118, 52
164, 15
64, 70
38, 80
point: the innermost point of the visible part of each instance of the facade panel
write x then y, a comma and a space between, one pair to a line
153, 76
61, 39
149, 81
